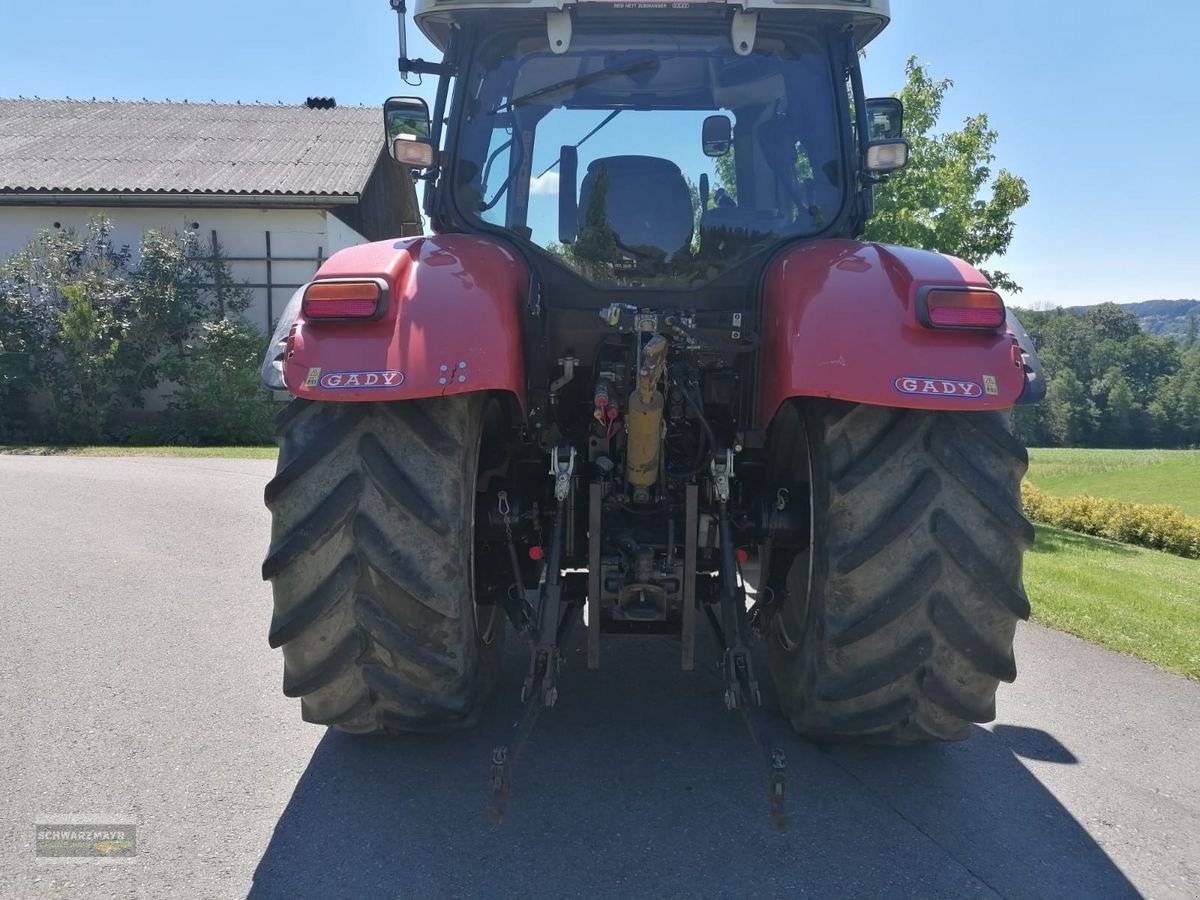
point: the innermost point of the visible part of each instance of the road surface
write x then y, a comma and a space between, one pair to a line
136, 685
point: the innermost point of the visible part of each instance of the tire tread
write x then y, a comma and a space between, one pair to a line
907, 628
372, 509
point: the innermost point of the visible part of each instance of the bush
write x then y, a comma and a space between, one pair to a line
1157, 527
84, 334
220, 400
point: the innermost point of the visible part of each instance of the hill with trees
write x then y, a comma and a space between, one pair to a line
1111, 383
1172, 318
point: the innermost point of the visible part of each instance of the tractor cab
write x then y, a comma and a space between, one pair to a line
652, 145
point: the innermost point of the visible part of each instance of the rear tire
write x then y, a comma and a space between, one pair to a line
371, 559
898, 623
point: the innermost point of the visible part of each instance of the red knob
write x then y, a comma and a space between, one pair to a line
536, 553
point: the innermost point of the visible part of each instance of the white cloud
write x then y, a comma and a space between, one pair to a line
546, 185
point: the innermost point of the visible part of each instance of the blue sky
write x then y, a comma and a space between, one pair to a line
1097, 103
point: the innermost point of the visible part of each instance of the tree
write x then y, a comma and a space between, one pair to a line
727, 173
1118, 417
1110, 382
727, 170
1070, 412
84, 332
937, 203
1110, 322
596, 242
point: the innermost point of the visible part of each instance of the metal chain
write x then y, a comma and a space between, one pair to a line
505, 509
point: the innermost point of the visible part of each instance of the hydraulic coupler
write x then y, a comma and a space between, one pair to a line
644, 419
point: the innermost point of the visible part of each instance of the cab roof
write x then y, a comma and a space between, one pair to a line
435, 17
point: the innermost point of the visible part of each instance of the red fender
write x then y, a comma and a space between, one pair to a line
840, 321
452, 325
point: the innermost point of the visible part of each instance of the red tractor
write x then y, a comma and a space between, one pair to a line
602, 391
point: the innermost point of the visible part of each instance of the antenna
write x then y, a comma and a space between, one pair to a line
400, 7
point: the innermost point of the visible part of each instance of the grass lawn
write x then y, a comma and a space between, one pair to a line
1170, 477
184, 452
1139, 602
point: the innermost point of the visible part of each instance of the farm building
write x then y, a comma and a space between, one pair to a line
280, 188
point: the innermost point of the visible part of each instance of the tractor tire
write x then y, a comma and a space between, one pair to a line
897, 623
371, 563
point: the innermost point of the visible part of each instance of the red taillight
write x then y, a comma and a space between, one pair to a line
961, 309
343, 299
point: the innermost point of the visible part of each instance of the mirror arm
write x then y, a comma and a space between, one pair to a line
423, 67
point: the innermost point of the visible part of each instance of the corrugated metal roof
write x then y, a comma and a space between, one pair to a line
206, 148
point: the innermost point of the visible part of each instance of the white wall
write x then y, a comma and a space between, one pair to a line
241, 232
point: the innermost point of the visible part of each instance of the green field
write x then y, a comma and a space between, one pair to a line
184, 452
1139, 602
1170, 477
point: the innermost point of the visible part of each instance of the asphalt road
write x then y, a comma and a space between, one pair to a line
136, 685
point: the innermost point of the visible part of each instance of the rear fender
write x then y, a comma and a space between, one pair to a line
452, 325
840, 321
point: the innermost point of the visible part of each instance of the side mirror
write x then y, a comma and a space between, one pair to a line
885, 119
408, 128
717, 136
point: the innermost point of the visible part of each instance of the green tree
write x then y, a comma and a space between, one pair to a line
1069, 411
1030, 424
596, 242
90, 335
939, 202
1110, 322
1118, 416
727, 170
84, 332
1110, 382
727, 173
220, 399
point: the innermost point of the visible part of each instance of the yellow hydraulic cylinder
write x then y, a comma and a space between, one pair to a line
644, 419
644, 447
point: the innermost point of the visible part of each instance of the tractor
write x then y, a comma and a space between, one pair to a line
640, 377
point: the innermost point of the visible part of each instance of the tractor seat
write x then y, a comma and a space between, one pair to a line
647, 203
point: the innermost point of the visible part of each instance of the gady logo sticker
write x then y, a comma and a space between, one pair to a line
939, 387
344, 381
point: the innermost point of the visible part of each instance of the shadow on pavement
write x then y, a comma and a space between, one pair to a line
640, 784
1033, 743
